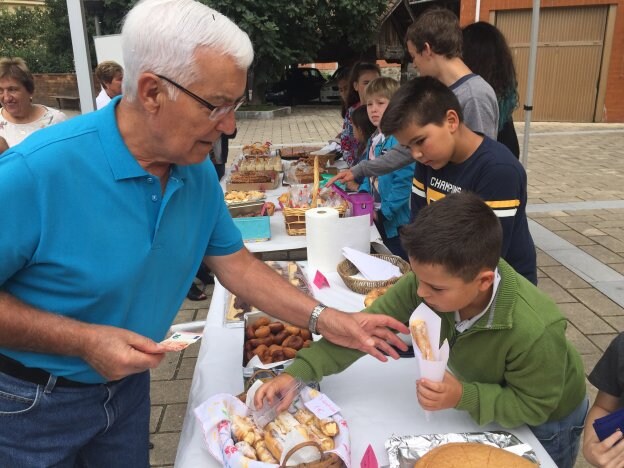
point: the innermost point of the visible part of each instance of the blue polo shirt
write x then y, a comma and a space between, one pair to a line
87, 233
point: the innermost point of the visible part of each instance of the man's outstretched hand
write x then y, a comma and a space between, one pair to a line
369, 333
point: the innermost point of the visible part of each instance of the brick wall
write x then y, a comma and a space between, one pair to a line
614, 98
61, 84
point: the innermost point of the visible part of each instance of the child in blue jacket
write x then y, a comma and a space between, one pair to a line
391, 191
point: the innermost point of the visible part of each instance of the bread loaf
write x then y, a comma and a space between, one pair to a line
374, 294
471, 455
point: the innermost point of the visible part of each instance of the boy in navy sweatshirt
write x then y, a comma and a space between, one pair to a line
425, 116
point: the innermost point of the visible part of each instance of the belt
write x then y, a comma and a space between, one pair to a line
18, 370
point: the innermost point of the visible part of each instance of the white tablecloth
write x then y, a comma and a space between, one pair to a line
377, 399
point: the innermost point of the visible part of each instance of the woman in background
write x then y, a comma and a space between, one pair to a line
110, 76
19, 117
487, 54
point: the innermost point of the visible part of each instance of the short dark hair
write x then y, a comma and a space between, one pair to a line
423, 100
459, 232
438, 27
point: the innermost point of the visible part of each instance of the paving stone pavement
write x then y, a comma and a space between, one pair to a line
576, 196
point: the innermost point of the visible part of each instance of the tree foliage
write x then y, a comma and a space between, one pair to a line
25, 34
283, 32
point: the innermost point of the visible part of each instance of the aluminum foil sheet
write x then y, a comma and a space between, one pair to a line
403, 451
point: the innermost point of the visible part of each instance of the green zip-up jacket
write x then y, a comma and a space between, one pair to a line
515, 363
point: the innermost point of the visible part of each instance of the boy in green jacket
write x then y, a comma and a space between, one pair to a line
510, 360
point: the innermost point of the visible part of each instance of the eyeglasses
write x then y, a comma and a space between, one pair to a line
216, 111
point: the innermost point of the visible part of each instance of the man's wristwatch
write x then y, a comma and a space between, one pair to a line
314, 316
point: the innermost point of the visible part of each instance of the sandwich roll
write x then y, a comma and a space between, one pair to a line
304, 416
263, 453
326, 443
418, 328
274, 440
286, 422
327, 426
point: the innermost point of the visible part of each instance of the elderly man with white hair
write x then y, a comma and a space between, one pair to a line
100, 241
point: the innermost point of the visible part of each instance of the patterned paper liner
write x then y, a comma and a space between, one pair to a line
215, 414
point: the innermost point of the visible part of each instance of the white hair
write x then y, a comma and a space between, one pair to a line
162, 36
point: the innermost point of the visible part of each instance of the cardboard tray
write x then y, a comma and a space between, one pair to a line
278, 367
275, 180
242, 210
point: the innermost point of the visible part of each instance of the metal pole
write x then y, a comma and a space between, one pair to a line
528, 106
82, 61
477, 10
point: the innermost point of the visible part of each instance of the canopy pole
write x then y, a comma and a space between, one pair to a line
528, 106
82, 60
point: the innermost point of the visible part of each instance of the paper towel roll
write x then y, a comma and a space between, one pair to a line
327, 234
324, 253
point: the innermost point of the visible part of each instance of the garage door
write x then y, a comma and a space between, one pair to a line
570, 52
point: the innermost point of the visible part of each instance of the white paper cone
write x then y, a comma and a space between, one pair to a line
431, 370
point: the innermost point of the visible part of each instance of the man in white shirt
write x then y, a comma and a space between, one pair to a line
110, 76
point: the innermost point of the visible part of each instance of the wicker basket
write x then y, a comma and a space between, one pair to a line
295, 217
346, 270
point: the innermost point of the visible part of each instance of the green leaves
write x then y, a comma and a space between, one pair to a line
283, 32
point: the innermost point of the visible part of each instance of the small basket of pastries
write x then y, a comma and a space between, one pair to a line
301, 198
295, 437
348, 270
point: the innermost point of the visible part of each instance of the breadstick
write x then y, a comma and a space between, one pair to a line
421, 337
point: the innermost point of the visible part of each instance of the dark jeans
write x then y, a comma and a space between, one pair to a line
96, 426
562, 438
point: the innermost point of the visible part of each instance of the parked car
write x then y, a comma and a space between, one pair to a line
329, 91
298, 85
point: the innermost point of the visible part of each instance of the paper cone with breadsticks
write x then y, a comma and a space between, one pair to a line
431, 358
